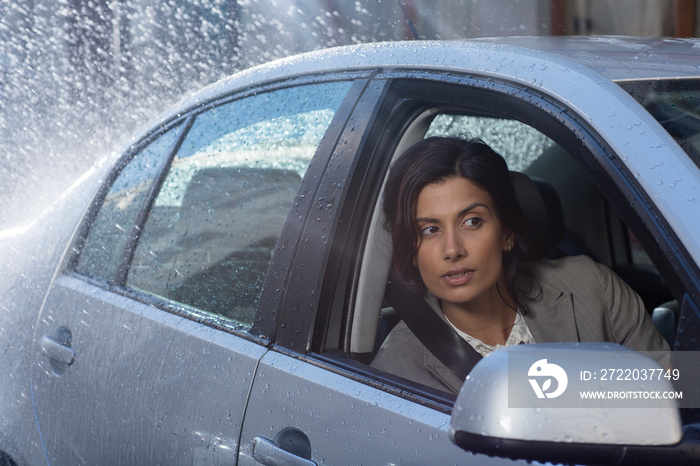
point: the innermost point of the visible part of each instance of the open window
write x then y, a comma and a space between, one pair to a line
595, 218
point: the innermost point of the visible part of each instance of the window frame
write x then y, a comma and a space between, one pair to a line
409, 93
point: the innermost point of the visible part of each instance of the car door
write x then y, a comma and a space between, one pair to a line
315, 398
143, 351
311, 402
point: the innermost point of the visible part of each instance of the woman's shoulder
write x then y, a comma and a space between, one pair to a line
399, 340
570, 263
566, 273
402, 354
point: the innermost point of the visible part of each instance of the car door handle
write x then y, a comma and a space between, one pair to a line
291, 447
57, 348
56, 351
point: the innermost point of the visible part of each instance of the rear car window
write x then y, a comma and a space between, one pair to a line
211, 230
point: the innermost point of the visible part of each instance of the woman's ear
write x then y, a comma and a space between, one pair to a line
508, 240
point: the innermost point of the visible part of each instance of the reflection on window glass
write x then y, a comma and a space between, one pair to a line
109, 232
210, 236
519, 143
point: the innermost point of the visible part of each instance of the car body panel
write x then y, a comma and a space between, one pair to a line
347, 421
30, 254
169, 378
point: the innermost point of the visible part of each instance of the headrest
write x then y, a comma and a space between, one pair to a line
236, 183
540, 203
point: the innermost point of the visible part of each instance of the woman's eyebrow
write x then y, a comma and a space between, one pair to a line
461, 212
472, 207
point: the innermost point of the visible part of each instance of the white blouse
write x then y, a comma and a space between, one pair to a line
518, 334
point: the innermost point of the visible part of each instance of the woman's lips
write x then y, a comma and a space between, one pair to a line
458, 277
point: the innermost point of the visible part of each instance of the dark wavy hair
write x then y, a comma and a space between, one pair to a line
437, 159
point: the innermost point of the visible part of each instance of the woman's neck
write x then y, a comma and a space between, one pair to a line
490, 320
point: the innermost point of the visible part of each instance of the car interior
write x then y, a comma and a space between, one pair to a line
566, 207
188, 254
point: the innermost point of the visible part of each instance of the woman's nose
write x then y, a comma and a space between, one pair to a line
453, 247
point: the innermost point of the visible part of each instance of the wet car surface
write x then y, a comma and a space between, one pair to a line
215, 293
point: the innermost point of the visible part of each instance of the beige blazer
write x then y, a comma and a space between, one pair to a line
581, 300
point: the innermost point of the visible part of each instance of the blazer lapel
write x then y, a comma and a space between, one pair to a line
552, 319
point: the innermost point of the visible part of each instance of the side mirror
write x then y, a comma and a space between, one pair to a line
568, 402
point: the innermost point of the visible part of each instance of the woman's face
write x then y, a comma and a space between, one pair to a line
461, 242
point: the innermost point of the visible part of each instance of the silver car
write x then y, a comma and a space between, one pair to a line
215, 293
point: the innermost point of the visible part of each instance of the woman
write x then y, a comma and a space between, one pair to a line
457, 232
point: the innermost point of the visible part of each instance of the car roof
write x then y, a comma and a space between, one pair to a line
619, 57
525, 59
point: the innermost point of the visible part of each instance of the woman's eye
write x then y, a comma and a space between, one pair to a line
473, 221
429, 230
